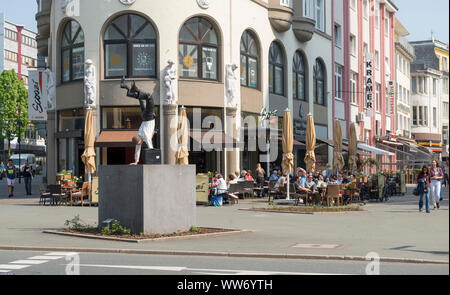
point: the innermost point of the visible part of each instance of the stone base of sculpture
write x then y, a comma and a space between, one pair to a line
158, 199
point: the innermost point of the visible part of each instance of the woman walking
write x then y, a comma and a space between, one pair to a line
437, 175
423, 188
26, 172
10, 178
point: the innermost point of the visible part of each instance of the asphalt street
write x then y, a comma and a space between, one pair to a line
61, 263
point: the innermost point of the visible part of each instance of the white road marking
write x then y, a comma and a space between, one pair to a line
28, 261
4, 271
205, 271
7, 266
61, 254
45, 257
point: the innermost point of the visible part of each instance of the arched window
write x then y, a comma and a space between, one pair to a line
299, 77
249, 60
276, 69
130, 47
72, 52
199, 50
319, 83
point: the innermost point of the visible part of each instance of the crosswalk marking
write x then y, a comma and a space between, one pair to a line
45, 257
17, 266
29, 261
4, 271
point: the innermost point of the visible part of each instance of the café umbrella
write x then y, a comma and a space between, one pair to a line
182, 156
310, 158
288, 144
338, 160
88, 156
352, 148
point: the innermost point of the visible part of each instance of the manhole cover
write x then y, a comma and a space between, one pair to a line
317, 246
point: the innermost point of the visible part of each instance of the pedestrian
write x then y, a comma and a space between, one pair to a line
423, 188
446, 174
2, 170
436, 174
260, 174
26, 173
11, 178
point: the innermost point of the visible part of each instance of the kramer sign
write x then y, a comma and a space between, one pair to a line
37, 96
369, 85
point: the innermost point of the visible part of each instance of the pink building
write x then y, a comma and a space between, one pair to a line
364, 61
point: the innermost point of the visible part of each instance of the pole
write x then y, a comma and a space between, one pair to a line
19, 124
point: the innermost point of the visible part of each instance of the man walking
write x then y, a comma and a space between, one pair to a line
10, 178
26, 173
2, 170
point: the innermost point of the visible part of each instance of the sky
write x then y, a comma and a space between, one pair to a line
420, 17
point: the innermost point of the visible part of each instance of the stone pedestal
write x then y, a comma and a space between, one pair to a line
144, 198
170, 133
232, 154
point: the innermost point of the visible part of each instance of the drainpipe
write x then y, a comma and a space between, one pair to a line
19, 51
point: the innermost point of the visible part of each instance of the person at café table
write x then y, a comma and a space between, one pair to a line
243, 174
281, 181
310, 184
333, 180
274, 175
321, 183
300, 185
232, 179
249, 176
345, 179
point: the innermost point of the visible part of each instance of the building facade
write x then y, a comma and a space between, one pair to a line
363, 38
282, 49
429, 86
18, 51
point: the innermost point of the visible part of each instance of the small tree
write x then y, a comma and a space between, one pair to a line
13, 97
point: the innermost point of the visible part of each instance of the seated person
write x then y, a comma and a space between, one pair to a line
300, 184
333, 180
249, 176
242, 178
232, 179
345, 179
274, 175
281, 182
321, 183
339, 179
310, 184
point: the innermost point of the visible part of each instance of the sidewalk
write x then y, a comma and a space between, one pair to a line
395, 229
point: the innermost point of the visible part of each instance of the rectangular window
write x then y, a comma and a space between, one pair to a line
308, 9
386, 25
445, 110
414, 85
434, 87
243, 70
66, 66
365, 49
188, 61
366, 9
434, 117
121, 118
209, 63
338, 81
445, 86
78, 63
377, 59
253, 72
353, 88
320, 15
116, 57
143, 60
287, 3
420, 116
337, 35
377, 15
420, 82
414, 115
425, 85
353, 45
425, 116
377, 98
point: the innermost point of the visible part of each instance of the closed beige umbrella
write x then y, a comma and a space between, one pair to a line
182, 155
338, 160
310, 158
288, 145
352, 148
88, 157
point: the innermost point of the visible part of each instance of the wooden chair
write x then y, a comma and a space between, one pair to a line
45, 194
80, 194
354, 193
334, 193
272, 191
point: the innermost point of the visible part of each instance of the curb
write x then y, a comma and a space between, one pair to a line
305, 213
223, 254
86, 236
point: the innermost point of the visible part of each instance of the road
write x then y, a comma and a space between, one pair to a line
58, 263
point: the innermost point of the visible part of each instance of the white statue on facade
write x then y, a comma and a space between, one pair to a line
170, 80
230, 85
51, 90
90, 89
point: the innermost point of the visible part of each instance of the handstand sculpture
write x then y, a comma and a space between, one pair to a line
146, 131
